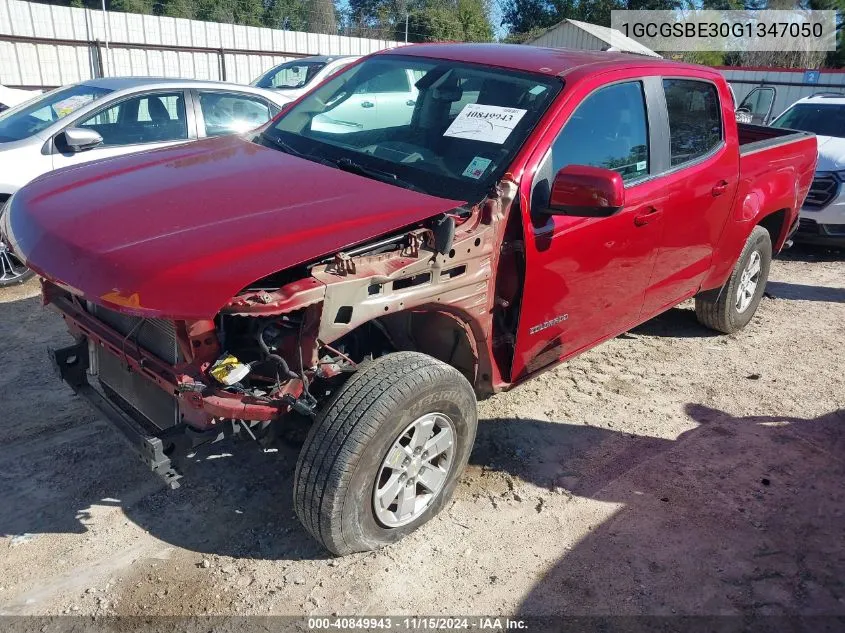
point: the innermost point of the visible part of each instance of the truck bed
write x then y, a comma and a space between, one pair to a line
776, 168
753, 138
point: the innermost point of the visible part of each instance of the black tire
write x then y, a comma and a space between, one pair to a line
340, 461
717, 308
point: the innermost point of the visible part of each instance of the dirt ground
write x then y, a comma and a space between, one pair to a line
669, 471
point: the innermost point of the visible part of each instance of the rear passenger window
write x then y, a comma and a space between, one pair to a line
609, 129
695, 118
228, 112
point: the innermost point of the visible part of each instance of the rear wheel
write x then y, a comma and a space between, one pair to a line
730, 308
385, 455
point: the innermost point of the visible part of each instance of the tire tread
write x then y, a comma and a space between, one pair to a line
713, 308
343, 430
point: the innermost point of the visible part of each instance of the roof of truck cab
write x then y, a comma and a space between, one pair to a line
549, 61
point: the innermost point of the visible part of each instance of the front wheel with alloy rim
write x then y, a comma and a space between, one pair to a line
385, 454
12, 271
730, 308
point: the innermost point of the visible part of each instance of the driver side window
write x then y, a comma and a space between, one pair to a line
609, 129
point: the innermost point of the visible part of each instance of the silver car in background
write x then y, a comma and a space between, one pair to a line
102, 118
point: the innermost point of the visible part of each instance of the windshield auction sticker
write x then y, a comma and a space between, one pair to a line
491, 124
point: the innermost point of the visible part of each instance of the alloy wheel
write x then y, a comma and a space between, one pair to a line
415, 470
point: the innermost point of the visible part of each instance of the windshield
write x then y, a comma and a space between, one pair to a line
291, 75
824, 119
447, 128
33, 116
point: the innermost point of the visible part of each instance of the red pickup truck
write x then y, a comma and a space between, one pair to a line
371, 270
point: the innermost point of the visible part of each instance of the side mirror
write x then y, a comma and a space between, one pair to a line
77, 139
581, 190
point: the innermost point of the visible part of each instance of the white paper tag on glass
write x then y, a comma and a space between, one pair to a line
491, 124
641, 165
477, 166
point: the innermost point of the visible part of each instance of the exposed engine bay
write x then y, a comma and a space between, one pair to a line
282, 346
424, 288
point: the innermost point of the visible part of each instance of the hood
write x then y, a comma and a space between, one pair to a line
177, 232
831, 153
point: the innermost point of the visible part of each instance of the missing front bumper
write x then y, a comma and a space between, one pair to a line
159, 451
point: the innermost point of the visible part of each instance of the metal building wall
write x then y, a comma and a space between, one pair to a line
789, 83
565, 35
47, 46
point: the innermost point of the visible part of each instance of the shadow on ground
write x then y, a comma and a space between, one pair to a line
674, 323
739, 515
803, 292
59, 463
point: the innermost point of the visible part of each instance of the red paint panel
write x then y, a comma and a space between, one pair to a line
773, 179
177, 232
699, 199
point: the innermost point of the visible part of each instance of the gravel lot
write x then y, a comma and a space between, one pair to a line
667, 471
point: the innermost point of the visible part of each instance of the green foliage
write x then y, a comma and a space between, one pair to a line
132, 6
428, 20
521, 16
705, 58
290, 15
178, 8
834, 59
526, 16
321, 16
449, 20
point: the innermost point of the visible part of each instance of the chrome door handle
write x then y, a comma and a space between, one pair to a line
367, 104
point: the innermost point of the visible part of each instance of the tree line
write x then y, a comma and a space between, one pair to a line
423, 20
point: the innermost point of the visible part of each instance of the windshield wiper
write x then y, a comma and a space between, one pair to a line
282, 145
347, 164
289, 149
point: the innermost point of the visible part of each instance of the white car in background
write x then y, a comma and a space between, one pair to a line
10, 97
293, 79
389, 100
822, 218
102, 118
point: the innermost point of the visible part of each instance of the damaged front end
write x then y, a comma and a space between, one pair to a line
279, 349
